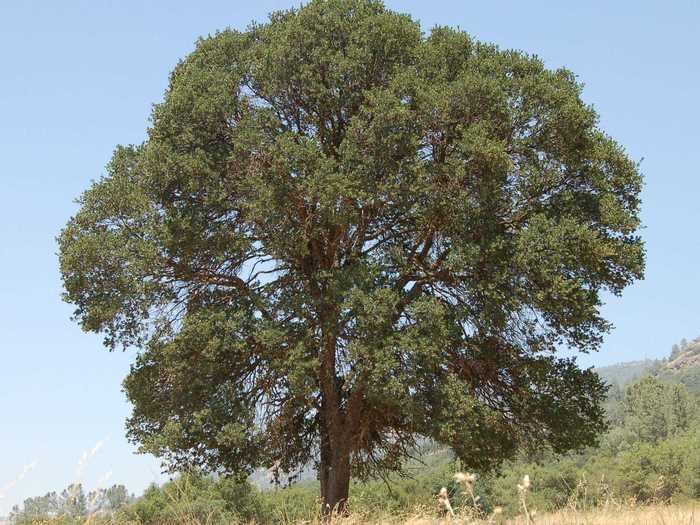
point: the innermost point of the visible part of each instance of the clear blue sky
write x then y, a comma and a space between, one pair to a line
79, 77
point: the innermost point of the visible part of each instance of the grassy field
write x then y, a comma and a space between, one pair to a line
632, 516
651, 515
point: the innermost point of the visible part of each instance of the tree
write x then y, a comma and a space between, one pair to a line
117, 497
678, 409
655, 410
342, 236
73, 502
645, 410
108, 500
675, 352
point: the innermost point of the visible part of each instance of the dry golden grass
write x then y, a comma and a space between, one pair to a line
652, 515
666, 515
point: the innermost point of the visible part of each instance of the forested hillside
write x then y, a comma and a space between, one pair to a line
681, 366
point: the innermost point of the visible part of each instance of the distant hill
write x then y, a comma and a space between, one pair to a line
683, 366
688, 357
622, 374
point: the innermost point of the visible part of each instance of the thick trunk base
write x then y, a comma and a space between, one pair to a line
334, 497
334, 476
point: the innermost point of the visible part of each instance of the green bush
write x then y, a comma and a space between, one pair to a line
200, 499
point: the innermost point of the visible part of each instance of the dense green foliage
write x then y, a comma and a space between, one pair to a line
342, 235
200, 498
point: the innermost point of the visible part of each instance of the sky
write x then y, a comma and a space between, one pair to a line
79, 77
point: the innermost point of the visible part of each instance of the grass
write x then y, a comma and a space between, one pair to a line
639, 515
664, 515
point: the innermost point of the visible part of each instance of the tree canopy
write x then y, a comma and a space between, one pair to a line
343, 235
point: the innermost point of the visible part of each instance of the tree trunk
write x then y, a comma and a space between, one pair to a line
334, 467
334, 475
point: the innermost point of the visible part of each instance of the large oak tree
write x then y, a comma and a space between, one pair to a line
343, 235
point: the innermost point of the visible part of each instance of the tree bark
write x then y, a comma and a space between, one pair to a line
334, 469
334, 475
